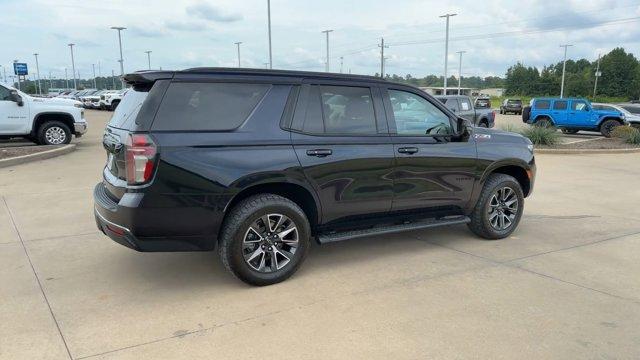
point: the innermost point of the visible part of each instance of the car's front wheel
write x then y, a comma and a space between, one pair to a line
607, 127
54, 133
499, 208
264, 239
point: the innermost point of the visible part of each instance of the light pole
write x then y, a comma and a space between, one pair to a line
120, 28
73, 68
94, 76
598, 74
269, 24
238, 45
326, 32
564, 66
446, 50
382, 46
38, 74
266, 65
149, 58
460, 71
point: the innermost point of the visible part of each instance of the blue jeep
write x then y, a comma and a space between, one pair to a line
571, 115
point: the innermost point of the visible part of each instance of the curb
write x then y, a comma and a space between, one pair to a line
47, 154
585, 151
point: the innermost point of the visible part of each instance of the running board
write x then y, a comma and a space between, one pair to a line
389, 229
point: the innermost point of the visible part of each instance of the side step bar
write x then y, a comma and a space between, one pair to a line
388, 229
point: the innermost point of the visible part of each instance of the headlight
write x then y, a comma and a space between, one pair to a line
530, 147
107, 97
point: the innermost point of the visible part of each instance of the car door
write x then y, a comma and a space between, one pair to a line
559, 112
580, 114
342, 142
466, 110
431, 170
13, 118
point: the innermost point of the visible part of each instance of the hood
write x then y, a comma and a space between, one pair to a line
496, 135
56, 101
608, 112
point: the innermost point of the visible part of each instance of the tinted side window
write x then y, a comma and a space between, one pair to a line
465, 105
560, 105
347, 110
542, 104
207, 106
414, 115
5, 94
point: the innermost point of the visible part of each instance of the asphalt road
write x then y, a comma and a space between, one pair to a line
566, 285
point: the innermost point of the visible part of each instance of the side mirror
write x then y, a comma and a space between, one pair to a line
16, 98
464, 127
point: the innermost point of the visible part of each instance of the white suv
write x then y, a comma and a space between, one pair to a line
47, 121
110, 100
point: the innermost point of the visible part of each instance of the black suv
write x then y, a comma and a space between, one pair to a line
511, 106
257, 163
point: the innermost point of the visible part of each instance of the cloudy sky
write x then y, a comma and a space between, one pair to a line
190, 33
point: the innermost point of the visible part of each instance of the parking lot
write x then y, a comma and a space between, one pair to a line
565, 285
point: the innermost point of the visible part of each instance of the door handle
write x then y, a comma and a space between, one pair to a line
319, 152
408, 150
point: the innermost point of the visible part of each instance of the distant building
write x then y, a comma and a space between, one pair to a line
493, 92
435, 90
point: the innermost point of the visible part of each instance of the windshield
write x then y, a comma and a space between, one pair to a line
127, 110
632, 109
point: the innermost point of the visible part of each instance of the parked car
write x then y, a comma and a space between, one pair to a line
571, 115
111, 99
631, 118
482, 103
257, 163
511, 106
92, 101
47, 121
462, 106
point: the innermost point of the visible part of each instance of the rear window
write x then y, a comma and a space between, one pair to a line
560, 105
514, 102
127, 110
208, 106
542, 104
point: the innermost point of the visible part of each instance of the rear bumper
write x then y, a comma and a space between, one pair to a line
129, 223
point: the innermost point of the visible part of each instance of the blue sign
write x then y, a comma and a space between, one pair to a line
20, 69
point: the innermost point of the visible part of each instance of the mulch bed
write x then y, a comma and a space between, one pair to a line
9, 152
603, 143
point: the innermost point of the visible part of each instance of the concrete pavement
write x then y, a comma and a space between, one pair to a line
565, 285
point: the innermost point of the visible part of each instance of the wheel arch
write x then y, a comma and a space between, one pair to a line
605, 118
299, 194
47, 116
544, 116
516, 168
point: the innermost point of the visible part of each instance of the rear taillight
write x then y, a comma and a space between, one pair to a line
139, 159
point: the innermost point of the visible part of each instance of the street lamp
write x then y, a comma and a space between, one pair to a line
446, 51
148, 52
38, 74
460, 71
564, 66
73, 67
326, 32
120, 28
238, 45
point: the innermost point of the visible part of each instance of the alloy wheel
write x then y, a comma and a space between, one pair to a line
503, 208
55, 135
270, 243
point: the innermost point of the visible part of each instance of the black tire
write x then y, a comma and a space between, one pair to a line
569, 131
606, 128
114, 105
483, 124
54, 133
544, 122
526, 113
236, 228
481, 217
501, 112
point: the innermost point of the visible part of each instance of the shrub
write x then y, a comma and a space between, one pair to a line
541, 136
629, 134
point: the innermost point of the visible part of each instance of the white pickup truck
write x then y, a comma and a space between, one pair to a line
46, 121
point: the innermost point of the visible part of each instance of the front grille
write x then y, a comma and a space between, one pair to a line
101, 97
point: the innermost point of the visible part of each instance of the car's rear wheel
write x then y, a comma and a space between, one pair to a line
569, 131
544, 123
54, 133
499, 208
607, 127
264, 239
114, 105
